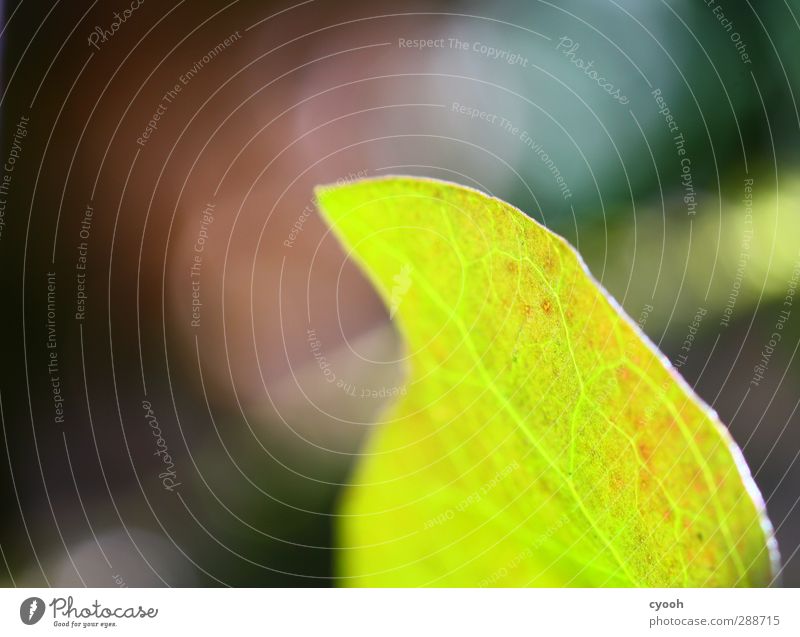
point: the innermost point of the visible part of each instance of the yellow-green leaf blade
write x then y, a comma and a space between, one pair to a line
542, 440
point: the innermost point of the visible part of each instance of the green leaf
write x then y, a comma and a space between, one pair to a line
542, 440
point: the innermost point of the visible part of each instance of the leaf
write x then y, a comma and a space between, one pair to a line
542, 440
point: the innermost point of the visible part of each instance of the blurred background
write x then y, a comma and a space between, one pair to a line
173, 308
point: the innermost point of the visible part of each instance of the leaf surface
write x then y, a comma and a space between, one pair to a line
541, 439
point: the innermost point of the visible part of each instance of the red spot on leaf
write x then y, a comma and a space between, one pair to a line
697, 481
549, 263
